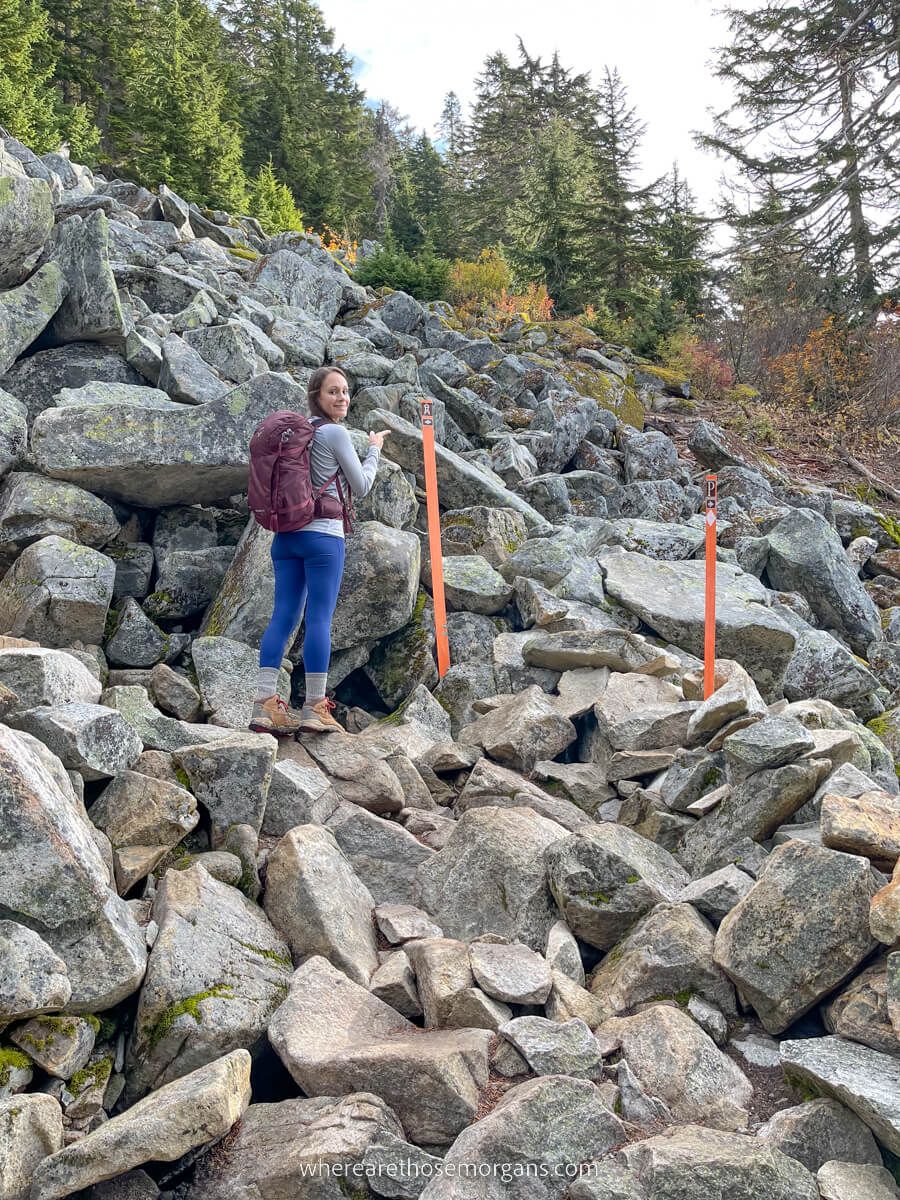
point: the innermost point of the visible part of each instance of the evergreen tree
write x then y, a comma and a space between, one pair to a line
548, 241
812, 117
622, 236
98, 49
27, 63
272, 204
453, 134
386, 123
451, 128
681, 236
301, 107
176, 117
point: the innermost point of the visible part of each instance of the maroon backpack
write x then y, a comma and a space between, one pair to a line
280, 490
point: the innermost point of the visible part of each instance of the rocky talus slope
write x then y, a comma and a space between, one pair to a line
551, 926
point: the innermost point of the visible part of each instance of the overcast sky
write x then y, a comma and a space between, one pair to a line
411, 55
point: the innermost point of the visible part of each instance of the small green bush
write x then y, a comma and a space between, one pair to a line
423, 275
272, 203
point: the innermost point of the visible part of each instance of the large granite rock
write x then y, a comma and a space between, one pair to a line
527, 1145
379, 586
292, 1149
317, 902
26, 310
865, 1080
26, 221
57, 592
675, 1061
91, 310
31, 1129
696, 1163
668, 953
42, 676
336, 1038
36, 380
669, 597
33, 979
820, 1131
190, 1112
56, 882
490, 876
799, 932
605, 877
463, 484
216, 974
806, 556
156, 457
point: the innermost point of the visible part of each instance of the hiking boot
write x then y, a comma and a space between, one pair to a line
317, 718
273, 716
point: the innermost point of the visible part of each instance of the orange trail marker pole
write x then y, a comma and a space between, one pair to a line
434, 537
709, 624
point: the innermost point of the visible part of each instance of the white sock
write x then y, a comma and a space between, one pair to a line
315, 686
266, 683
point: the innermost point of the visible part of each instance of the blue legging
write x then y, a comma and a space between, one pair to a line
305, 561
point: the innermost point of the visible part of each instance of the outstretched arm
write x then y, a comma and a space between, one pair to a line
359, 475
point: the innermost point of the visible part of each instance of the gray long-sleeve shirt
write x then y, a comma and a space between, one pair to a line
333, 450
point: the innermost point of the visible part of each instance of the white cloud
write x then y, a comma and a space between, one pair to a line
412, 55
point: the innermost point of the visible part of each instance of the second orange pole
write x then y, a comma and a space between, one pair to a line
434, 537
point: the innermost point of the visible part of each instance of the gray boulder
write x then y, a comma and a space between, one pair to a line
32, 507
694, 1163
336, 1038
33, 979
26, 221
806, 556
57, 592
669, 953
820, 1131
87, 738
490, 877
26, 311
676, 1062
605, 877
184, 375
36, 380
13, 431
284, 1150
521, 730
288, 278
669, 597
317, 902
552, 1123
40, 676
866, 1081
31, 1129
799, 932
91, 310
380, 585
153, 457
143, 818
753, 809
187, 1113
230, 778
216, 974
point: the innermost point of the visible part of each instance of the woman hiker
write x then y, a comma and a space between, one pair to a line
312, 559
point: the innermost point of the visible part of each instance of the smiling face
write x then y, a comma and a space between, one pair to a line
334, 396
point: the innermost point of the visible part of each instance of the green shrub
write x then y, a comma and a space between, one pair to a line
272, 202
424, 275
